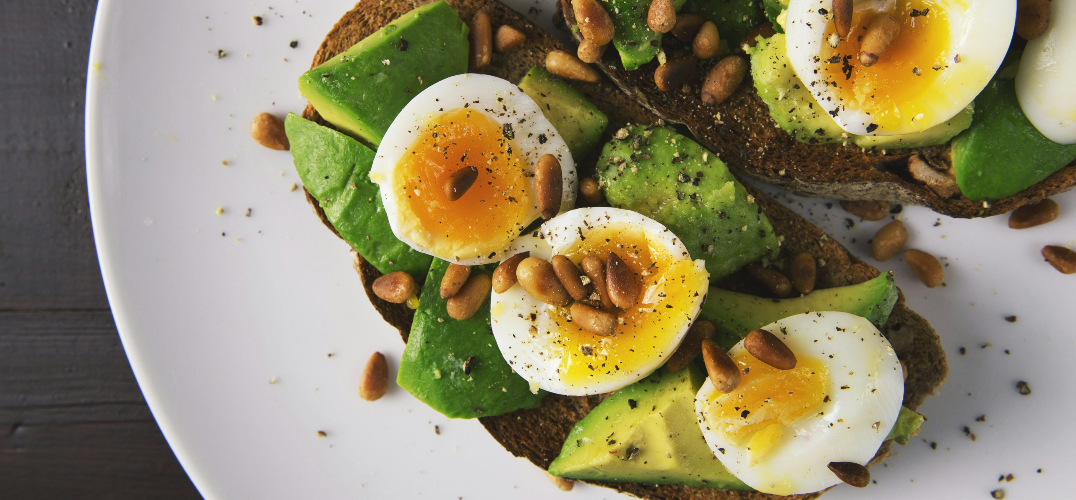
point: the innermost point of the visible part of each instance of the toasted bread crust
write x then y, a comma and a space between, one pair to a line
752, 144
537, 434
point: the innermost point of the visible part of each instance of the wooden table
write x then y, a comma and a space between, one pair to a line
73, 423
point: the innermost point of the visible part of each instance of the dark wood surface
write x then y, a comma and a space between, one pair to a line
73, 423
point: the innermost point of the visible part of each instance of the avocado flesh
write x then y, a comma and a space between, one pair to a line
1003, 153
363, 89
675, 181
579, 122
736, 314
734, 18
773, 9
797, 112
633, 39
433, 366
335, 170
645, 433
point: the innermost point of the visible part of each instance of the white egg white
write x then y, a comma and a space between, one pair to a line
526, 343
980, 32
505, 104
1045, 82
865, 390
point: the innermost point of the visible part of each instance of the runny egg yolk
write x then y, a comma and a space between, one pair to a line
492, 212
893, 89
767, 401
669, 288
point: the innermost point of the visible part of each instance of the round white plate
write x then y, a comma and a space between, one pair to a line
213, 308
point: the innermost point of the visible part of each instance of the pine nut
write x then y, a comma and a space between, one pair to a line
395, 287
691, 346
570, 277
562, 483
723, 79
454, 278
623, 287
504, 277
374, 382
842, 17
268, 131
707, 41
942, 183
593, 320
662, 16
591, 191
565, 65
803, 273
888, 241
881, 32
481, 40
1035, 214
775, 282
459, 182
594, 268
590, 52
926, 267
867, 210
470, 298
508, 39
548, 185
593, 21
1063, 259
851, 473
1032, 18
769, 349
537, 277
686, 27
720, 368
673, 74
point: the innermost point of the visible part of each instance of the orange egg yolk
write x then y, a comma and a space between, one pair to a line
767, 401
892, 89
492, 212
670, 288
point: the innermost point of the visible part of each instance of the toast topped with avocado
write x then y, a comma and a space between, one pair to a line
974, 155
460, 358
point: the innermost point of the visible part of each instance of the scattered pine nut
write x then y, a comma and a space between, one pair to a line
723, 79
867, 210
268, 130
1063, 259
888, 241
590, 52
1034, 214
459, 182
851, 473
673, 74
504, 277
720, 368
777, 283
481, 40
881, 32
570, 277
548, 185
707, 41
470, 298
691, 346
565, 65
662, 16
926, 267
594, 268
803, 272
591, 191
1032, 18
375, 378
686, 27
623, 287
769, 349
842, 17
537, 277
593, 320
395, 287
453, 280
593, 21
508, 39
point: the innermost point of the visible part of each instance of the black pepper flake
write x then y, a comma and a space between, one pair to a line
933, 445
968, 433
744, 414
221, 53
542, 138
918, 13
294, 44
477, 410
872, 127
587, 350
508, 132
469, 365
632, 404
1010, 319
1023, 388
823, 12
963, 351
257, 20
403, 45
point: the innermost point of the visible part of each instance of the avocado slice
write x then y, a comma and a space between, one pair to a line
734, 18
633, 39
435, 367
645, 433
363, 89
736, 314
675, 181
578, 121
335, 170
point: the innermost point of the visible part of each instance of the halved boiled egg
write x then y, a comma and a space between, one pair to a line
543, 345
1047, 69
944, 55
467, 122
779, 429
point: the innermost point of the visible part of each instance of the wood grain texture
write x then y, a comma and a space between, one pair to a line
73, 423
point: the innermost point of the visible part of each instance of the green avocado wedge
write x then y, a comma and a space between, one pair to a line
736, 314
645, 433
363, 89
675, 181
579, 122
335, 170
435, 367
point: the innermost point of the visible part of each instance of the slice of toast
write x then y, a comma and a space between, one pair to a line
752, 144
538, 434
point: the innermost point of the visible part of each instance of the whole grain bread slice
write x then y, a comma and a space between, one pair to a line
537, 434
741, 131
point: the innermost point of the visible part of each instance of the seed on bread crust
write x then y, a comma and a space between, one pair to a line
508, 39
867, 210
720, 368
481, 40
777, 283
881, 32
591, 191
723, 79
570, 277
504, 277
590, 52
942, 183
623, 287
842, 17
537, 277
686, 27
470, 298
593, 21
707, 41
459, 182
594, 268
593, 320
548, 185
268, 131
1063, 259
769, 349
454, 278
661, 17
691, 346
851, 473
888, 241
673, 74
926, 267
1035, 214
565, 65
803, 272
1032, 18
395, 287
374, 382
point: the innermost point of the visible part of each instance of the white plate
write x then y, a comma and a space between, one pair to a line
212, 307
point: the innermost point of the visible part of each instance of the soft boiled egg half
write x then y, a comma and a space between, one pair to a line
473, 122
779, 429
543, 345
944, 55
